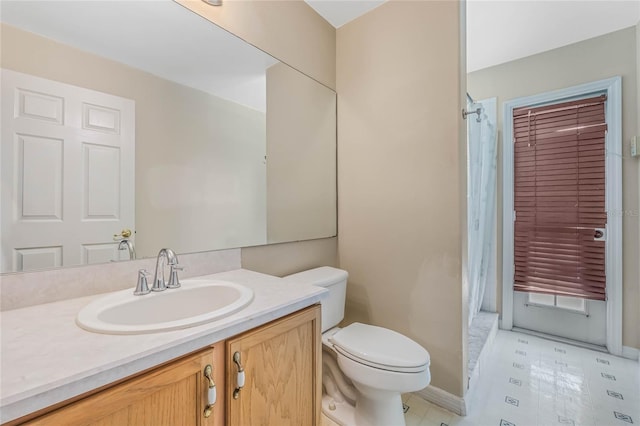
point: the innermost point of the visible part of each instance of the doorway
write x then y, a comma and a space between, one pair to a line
573, 310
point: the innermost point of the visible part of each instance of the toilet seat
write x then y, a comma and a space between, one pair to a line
380, 348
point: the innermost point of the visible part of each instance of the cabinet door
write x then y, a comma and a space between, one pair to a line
282, 370
174, 394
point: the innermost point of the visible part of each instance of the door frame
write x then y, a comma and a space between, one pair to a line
613, 199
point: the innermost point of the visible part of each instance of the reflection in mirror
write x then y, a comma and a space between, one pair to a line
145, 116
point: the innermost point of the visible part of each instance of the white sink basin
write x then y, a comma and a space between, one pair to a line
196, 302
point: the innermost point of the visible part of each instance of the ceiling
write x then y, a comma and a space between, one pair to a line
142, 34
339, 12
497, 32
501, 31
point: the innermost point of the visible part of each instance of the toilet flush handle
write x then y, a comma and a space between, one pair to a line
239, 376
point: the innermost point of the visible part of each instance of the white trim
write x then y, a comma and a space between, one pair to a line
444, 399
551, 337
613, 197
583, 311
630, 353
507, 216
613, 112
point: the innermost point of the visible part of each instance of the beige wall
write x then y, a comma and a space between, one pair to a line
225, 205
301, 156
295, 34
401, 189
289, 30
288, 258
595, 59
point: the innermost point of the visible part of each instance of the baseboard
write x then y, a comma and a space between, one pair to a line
630, 353
627, 351
559, 339
444, 399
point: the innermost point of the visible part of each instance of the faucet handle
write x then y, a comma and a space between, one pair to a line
142, 287
174, 281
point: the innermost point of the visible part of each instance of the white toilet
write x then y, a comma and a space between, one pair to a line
374, 365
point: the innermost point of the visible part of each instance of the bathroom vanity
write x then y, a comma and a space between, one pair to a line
56, 373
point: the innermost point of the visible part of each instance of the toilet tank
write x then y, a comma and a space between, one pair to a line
334, 280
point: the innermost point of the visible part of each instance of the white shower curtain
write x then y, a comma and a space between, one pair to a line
481, 200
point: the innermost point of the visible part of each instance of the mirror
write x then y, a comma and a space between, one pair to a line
146, 116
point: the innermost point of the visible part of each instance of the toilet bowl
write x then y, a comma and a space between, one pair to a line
365, 368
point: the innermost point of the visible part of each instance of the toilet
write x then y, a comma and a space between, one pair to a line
365, 368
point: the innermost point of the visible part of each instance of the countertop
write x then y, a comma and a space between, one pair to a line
46, 358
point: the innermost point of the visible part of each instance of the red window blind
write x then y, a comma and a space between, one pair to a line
559, 198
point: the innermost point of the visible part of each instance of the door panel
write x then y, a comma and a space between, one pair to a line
39, 163
101, 253
40, 106
28, 259
174, 394
175, 404
281, 363
589, 328
67, 158
101, 166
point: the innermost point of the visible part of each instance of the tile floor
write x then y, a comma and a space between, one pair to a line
530, 381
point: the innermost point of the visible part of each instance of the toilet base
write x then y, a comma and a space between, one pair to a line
344, 414
340, 412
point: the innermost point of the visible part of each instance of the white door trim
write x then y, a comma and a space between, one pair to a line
613, 163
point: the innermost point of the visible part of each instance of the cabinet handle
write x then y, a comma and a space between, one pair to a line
239, 376
211, 391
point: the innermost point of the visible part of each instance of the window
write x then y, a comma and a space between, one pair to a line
576, 304
559, 200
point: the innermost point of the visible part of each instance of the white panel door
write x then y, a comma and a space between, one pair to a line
67, 163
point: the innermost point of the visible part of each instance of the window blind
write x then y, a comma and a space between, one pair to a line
559, 198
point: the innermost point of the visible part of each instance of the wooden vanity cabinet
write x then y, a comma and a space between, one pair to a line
282, 373
174, 394
282, 366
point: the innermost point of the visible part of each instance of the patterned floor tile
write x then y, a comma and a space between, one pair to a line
529, 381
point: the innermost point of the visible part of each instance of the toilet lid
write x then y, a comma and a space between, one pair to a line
381, 347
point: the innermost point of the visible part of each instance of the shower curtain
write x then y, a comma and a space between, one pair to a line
481, 199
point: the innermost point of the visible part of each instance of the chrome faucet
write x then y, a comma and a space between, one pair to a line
126, 244
159, 283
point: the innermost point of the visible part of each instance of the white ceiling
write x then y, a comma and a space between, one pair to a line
339, 12
159, 36
501, 31
504, 30
169, 41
